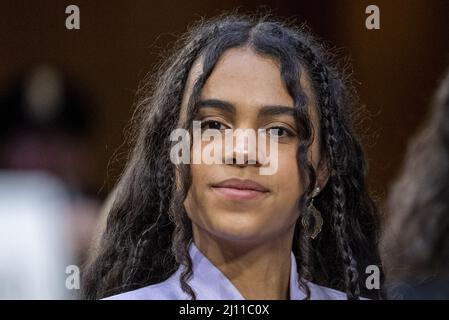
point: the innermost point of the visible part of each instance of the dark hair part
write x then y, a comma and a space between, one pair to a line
148, 231
415, 240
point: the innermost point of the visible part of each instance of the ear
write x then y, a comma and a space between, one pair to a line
322, 172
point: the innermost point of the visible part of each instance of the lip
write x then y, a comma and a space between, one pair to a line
238, 189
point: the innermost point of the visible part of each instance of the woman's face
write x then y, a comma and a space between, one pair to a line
234, 202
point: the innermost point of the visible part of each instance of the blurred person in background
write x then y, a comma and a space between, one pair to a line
35, 243
415, 241
44, 129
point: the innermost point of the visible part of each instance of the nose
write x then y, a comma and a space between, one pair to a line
243, 151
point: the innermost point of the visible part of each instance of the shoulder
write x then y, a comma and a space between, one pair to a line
166, 290
318, 292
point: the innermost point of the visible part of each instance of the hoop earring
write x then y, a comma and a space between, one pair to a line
312, 212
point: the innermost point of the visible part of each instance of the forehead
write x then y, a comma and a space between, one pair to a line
245, 78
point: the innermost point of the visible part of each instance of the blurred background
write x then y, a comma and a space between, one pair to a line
66, 98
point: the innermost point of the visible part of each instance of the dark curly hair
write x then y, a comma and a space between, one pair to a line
148, 231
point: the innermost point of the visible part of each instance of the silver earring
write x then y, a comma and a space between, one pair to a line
312, 212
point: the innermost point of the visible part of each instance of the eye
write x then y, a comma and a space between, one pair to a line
280, 132
212, 124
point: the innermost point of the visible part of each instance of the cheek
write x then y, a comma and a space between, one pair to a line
282, 209
288, 183
191, 201
196, 202
288, 177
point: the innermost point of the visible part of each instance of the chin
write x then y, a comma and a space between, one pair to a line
232, 228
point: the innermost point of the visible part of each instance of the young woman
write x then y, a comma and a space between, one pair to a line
225, 231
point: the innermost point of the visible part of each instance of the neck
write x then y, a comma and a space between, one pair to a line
260, 271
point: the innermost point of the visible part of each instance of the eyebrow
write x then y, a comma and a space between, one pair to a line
275, 111
272, 110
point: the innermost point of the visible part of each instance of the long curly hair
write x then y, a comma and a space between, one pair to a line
148, 231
